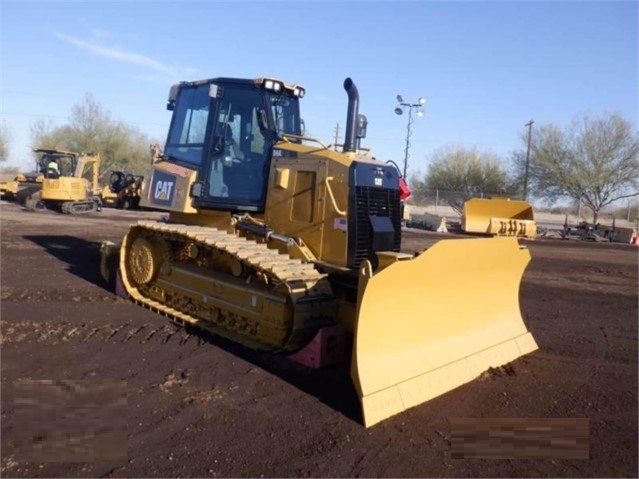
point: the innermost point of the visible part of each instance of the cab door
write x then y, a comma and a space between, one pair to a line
235, 174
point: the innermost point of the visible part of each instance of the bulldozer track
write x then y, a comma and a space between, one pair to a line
154, 254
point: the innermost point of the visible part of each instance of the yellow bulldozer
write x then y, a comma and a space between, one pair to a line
21, 188
499, 217
122, 191
70, 183
273, 238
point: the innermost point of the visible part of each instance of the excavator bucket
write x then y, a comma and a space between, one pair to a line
432, 323
499, 216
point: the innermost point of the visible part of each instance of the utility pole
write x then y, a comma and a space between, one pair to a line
529, 125
336, 137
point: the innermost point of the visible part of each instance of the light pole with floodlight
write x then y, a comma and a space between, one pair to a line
419, 106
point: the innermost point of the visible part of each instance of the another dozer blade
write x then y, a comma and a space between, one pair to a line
430, 324
500, 217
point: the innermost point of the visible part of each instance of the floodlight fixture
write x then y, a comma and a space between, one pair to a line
419, 111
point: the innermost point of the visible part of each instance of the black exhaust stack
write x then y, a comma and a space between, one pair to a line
350, 140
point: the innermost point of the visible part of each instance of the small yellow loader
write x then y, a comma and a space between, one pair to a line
123, 190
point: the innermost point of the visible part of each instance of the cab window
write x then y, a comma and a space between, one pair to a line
237, 174
188, 128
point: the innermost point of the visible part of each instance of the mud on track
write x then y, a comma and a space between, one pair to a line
194, 405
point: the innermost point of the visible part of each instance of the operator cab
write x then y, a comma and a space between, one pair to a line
225, 129
66, 163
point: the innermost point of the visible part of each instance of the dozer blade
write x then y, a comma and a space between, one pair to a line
430, 324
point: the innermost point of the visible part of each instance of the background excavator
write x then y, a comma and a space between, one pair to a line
70, 183
273, 237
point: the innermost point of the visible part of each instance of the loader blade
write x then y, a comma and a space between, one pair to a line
430, 324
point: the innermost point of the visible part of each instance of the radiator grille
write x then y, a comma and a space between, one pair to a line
377, 202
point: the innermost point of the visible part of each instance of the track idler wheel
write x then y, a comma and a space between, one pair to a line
143, 261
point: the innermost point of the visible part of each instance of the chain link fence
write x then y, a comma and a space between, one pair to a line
450, 203
438, 198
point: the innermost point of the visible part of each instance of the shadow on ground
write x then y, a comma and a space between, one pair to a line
332, 386
82, 257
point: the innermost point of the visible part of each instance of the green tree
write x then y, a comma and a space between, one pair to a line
459, 174
91, 129
594, 159
4, 143
517, 172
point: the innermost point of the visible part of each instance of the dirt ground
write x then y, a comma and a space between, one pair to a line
163, 402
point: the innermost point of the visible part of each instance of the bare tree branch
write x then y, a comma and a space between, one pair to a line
592, 159
91, 129
460, 174
4, 143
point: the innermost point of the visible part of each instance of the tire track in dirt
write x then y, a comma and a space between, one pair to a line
70, 294
56, 332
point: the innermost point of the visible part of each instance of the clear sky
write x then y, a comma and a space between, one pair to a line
486, 68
